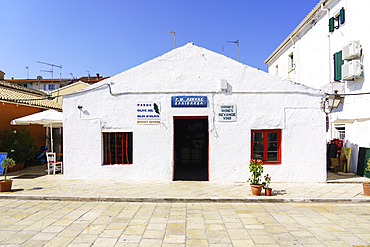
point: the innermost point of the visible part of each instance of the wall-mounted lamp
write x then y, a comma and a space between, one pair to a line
331, 101
79, 107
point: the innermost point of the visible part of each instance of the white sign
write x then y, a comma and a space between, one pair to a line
148, 113
227, 113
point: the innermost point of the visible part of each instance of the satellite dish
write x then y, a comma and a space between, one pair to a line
39, 78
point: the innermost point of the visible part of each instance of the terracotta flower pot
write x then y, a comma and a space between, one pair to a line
268, 192
366, 187
5, 185
256, 189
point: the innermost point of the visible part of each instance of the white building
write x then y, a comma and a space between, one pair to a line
193, 114
327, 50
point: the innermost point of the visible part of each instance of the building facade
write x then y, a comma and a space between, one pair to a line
193, 114
327, 50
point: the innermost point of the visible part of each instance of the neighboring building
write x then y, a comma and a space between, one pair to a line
49, 85
73, 87
327, 50
193, 114
17, 101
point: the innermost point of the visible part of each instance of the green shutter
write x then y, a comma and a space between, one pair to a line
342, 16
331, 24
338, 66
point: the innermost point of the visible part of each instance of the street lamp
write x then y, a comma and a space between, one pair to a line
331, 101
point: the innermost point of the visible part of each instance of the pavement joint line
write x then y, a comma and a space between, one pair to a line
186, 200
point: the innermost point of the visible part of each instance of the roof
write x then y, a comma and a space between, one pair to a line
92, 79
302, 24
13, 93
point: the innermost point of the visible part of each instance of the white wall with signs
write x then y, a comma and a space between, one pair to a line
254, 100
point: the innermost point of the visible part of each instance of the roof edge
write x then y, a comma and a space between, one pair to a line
298, 28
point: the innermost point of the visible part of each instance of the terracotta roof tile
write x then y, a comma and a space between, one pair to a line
18, 94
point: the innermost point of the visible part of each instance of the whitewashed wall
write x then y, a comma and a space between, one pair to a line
263, 102
313, 49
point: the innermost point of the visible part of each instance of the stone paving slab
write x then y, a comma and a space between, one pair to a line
32, 183
114, 224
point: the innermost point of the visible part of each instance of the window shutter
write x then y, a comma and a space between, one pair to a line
331, 24
338, 66
342, 16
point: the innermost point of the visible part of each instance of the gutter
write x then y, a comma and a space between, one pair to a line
307, 19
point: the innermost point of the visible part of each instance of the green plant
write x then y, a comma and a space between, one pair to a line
256, 168
7, 163
367, 169
19, 144
266, 184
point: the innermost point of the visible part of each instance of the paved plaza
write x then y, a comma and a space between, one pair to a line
49, 210
71, 223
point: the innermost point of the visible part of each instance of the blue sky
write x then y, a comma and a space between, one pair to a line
109, 37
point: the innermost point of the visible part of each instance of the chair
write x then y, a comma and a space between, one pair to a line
53, 164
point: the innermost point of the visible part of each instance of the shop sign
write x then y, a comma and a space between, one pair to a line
148, 113
227, 113
189, 101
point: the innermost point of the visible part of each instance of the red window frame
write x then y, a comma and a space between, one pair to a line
117, 148
265, 143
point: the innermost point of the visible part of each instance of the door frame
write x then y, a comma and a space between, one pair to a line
173, 154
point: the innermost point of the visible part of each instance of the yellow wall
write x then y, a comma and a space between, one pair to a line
67, 90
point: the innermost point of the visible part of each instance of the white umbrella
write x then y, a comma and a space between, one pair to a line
48, 118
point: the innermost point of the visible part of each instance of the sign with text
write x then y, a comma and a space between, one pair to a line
189, 101
227, 113
2, 158
148, 113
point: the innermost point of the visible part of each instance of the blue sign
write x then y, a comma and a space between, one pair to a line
189, 101
2, 158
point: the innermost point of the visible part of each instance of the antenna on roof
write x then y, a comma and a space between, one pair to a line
174, 43
236, 42
52, 68
28, 75
222, 49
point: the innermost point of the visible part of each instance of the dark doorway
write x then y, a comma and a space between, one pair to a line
191, 148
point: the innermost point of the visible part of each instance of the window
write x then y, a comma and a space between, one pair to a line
336, 21
277, 70
117, 148
49, 87
338, 62
291, 62
340, 130
266, 145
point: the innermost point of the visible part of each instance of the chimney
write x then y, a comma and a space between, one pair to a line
97, 76
2, 75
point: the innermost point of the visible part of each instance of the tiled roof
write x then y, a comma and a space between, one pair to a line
17, 94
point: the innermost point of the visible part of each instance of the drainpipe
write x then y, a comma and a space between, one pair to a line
332, 89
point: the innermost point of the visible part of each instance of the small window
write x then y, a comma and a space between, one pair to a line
117, 148
338, 62
266, 145
291, 62
337, 21
277, 70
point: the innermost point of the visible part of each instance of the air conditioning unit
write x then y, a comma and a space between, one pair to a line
351, 70
352, 50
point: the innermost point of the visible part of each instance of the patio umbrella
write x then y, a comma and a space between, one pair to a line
48, 118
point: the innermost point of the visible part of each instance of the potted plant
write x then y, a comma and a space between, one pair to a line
366, 185
266, 185
256, 168
6, 184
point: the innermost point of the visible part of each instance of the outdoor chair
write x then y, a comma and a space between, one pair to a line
53, 164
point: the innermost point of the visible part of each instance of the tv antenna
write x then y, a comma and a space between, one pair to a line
174, 43
235, 42
52, 68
